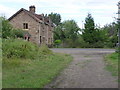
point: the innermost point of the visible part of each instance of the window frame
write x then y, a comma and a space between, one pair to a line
25, 26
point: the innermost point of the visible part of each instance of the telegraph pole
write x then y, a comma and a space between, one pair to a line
118, 26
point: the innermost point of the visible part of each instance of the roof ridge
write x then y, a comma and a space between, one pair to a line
34, 16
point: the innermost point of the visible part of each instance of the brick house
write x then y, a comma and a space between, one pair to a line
39, 27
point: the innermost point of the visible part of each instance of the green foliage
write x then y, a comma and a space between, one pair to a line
25, 65
9, 32
58, 42
67, 32
111, 30
117, 49
43, 50
71, 29
59, 33
33, 74
19, 49
99, 37
92, 36
1, 27
80, 43
6, 28
89, 33
0, 63
56, 18
17, 33
112, 63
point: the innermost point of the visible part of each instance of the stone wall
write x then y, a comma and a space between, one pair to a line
35, 28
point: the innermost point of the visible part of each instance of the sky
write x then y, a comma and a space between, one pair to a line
103, 11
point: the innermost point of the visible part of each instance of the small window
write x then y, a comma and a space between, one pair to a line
40, 39
25, 25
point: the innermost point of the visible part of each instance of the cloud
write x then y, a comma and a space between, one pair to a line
101, 10
6, 11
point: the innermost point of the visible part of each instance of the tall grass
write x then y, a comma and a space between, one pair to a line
0, 63
25, 65
112, 63
19, 49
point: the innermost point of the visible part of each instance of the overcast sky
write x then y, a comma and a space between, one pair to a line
103, 11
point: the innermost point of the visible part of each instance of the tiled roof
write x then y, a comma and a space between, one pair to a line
37, 17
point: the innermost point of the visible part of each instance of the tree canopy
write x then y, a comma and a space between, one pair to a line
89, 32
9, 32
56, 18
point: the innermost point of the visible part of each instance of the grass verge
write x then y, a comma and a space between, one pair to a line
0, 73
112, 63
28, 72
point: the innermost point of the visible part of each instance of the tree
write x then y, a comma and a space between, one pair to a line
93, 36
9, 32
56, 18
71, 32
89, 33
67, 32
18, 33
111, 31
71, 29
59, 33
6, 28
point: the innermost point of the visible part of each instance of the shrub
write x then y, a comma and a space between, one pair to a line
6, 28
98, 44
17, 33
44, 50
57, 42
19, 48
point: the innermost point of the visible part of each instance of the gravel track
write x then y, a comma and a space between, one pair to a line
87, 70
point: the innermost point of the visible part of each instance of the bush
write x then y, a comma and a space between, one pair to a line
8, 31
57, 42
44, 50
117, 49
98, 44
17, 33
6, 28
19, 48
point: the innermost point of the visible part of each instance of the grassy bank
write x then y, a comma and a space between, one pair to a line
112, 63
0, 63
34, 71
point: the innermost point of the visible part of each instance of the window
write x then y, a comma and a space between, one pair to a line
26, 37
40, 39
25, 25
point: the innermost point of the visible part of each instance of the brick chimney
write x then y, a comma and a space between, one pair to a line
32, 9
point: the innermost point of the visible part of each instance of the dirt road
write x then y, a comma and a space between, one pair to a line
87, 70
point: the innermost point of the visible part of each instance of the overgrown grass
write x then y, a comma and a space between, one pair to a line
0, 63
27, 72
18, 48
112, 63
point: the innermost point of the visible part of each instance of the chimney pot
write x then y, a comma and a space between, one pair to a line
32, 9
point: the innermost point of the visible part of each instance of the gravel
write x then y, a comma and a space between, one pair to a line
87, 70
